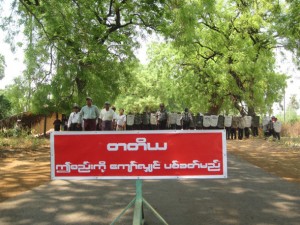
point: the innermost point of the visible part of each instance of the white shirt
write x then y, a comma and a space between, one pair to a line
107, 115
121, 120
73, 118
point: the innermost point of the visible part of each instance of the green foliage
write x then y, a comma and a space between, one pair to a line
287, 26
217, 55
5, 106
291, 112
8, 139
291, 115
226, 56
293, 103
17, 94
80, 48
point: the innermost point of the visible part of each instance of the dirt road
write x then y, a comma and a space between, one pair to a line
24, 169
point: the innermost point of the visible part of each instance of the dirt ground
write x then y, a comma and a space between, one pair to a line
24, 169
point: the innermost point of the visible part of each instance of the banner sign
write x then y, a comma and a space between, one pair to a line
138, 155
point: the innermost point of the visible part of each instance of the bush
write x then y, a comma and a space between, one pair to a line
291, 129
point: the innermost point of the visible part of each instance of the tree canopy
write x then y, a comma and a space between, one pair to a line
217, 56
5, 106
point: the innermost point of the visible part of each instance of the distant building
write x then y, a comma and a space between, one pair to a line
37, 125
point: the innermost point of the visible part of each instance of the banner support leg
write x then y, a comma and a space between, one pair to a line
138, 202
138, 215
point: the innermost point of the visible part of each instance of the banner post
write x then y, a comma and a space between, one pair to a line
138, 213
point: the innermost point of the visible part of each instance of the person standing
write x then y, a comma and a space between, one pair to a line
277, 129
162, 117
64, 122
146, 120
129, 121
107, 117
153, 121
241, 126
255, 125
248, 121
73, 119
89, 115
227, 124
234, 127
270, 128
186, 119
121, 121
137, 121
57, 123
115, 116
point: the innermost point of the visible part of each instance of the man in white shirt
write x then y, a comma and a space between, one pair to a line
73, 119
121, 121
89, 115
107, 117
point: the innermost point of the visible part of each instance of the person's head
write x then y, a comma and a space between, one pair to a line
106, 105
161, 106
186, 110
121, 111
89, 101
113, 108
75, 108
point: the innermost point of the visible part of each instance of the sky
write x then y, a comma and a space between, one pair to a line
14, 61
15, 66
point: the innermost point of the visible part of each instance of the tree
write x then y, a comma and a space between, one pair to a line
292, 108
227, 46
5, 106
81, 48
287, 26
16, 93
218, 55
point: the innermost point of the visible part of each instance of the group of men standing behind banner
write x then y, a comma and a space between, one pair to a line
90, 118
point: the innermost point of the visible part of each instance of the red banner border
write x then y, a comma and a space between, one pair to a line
52, 152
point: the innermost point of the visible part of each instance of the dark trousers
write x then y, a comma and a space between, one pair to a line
107, 125
254, 131
162, 125
129, 127
228, 132
186, 125
276, 135
74, 127
137, 127
145, 126
240, 133
233, 133
56, 127
247, 132
173, 126
153, 127
90, 124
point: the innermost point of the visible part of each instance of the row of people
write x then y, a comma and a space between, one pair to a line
90, 118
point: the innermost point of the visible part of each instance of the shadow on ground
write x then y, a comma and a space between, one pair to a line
248, 196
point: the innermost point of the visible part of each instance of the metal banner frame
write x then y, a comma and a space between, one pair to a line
138, 214
152, 132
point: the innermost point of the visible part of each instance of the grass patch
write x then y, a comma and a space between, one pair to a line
27, 142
